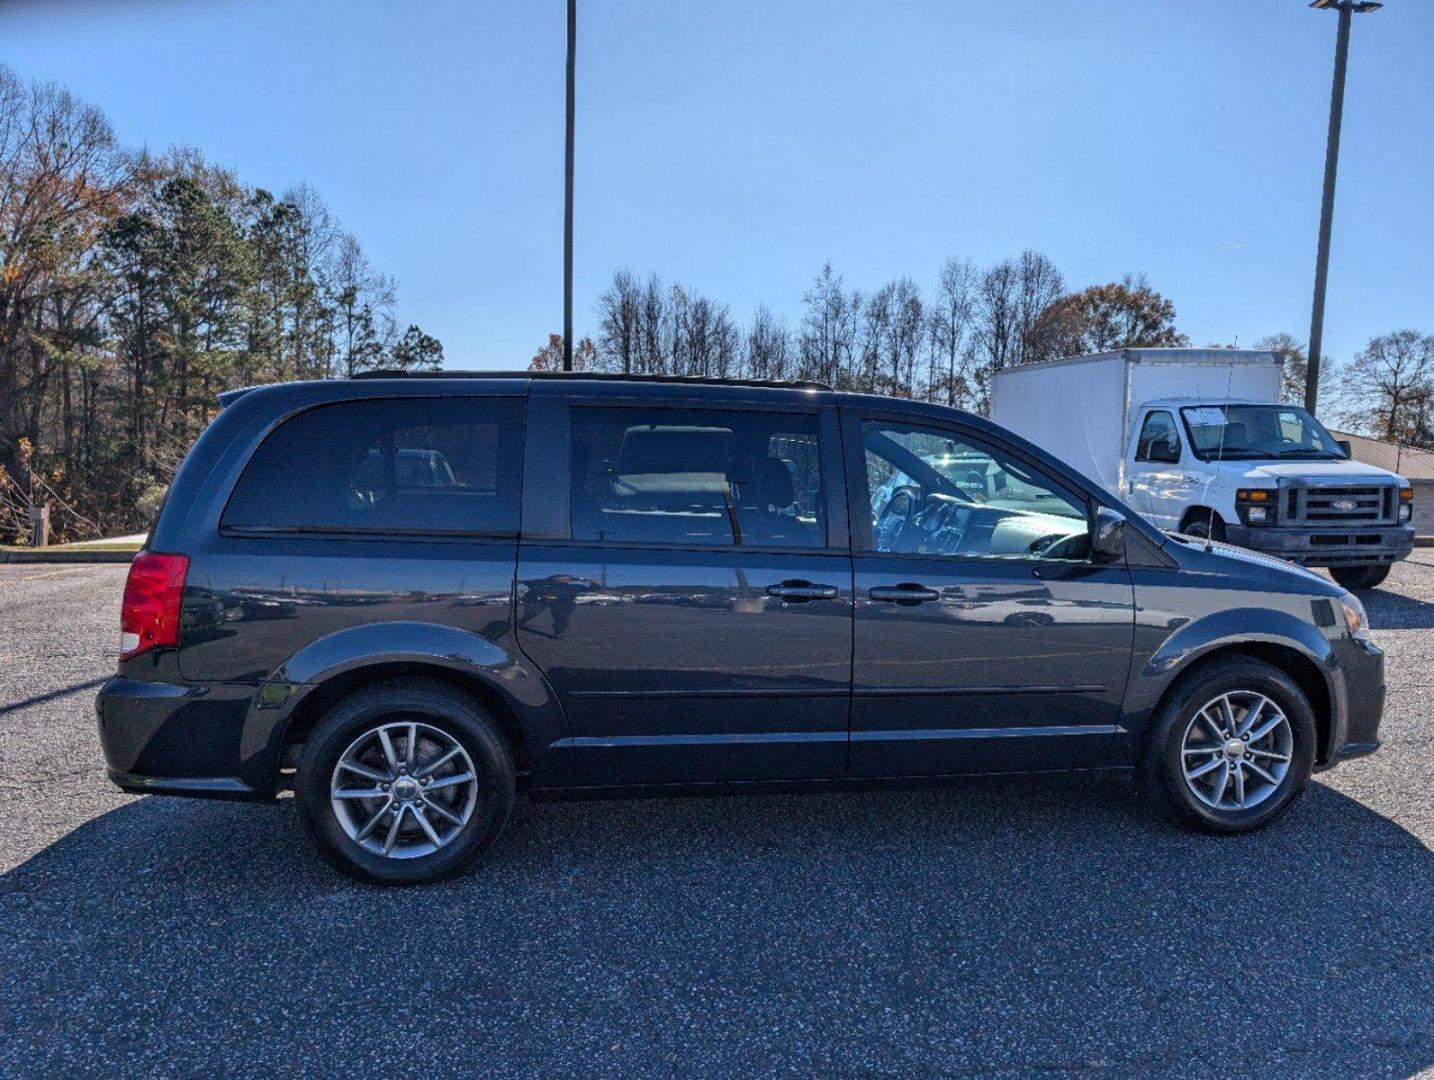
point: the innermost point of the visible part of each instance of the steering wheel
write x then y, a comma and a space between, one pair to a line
944, 520
894, 518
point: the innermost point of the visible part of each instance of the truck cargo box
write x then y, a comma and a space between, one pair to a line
1082, 408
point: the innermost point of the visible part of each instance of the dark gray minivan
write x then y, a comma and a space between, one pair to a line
403, 598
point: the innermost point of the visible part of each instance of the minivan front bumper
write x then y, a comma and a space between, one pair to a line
173, 739
1343, 546
1356, 734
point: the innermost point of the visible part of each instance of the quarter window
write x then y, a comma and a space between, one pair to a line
696, 476
934, 492
397, 467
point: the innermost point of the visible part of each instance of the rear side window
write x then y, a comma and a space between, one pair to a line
707, 477
397, 467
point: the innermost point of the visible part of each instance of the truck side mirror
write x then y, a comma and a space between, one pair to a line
1108, 535
1346, 446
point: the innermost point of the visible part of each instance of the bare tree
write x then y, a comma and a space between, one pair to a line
619, 331
949, 327
769, 346
904, 341
873, 331
724, 342
1039, 283
1390, 386
652, 335
362, 300
308, 244
829, 327
997, 324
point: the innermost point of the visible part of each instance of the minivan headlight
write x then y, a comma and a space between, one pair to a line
1356, 620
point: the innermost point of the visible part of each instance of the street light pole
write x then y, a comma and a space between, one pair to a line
568, 191
1346, 8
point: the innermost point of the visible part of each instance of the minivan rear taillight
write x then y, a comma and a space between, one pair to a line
149, 616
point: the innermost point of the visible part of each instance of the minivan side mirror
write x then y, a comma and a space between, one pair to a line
1346, 446
1108, 535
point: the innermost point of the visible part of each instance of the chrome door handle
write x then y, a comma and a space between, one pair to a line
800, 592
905, 593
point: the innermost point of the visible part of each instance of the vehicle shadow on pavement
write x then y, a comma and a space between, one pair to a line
1390, 610
1009, 924
51, 695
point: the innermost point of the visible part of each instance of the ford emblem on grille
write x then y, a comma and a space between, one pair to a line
1344, 505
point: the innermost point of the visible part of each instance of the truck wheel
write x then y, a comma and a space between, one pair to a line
405, 781
1231, 748
1205, 524
1359, 577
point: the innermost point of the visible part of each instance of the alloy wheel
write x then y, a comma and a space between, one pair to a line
403, 789
1236, 750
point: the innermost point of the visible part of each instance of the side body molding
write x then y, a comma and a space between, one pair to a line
1162, 656
523, 692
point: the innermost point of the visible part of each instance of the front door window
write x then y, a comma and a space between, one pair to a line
942, 494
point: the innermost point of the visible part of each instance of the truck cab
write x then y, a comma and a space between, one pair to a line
1266, 476
1198, 441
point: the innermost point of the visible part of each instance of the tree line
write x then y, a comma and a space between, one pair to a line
944, 344
941, 346
134, 287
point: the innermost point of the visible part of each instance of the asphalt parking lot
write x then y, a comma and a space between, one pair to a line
1004, 927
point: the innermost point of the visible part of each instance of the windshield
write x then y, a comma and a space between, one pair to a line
1249, 432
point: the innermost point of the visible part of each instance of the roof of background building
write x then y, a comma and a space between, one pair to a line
1408, 461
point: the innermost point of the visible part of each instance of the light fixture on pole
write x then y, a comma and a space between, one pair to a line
1346, 8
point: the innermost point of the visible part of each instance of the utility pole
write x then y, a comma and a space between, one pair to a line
1346, 9
568, 191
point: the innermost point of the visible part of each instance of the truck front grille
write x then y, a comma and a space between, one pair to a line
1344, 505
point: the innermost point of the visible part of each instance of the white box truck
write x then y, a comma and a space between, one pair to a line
1198, 442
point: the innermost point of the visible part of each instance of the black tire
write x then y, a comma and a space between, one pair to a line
1206, 524
434, 705
1359, 577
1162, 770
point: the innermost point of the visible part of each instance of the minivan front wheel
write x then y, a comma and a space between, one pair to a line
1232, 747
405, 781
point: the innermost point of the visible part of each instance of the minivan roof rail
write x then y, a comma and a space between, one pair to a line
604, 376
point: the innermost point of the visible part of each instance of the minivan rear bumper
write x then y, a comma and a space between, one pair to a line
1343, 546
167, 739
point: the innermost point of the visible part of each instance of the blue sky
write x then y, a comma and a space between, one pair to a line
737, 146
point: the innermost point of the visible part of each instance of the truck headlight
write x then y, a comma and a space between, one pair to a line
1356, 621
1406, 504
1256, 506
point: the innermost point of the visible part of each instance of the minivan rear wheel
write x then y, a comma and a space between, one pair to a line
405, 781
1232, 747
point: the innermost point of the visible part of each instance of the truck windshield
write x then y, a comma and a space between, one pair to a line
1258, 432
